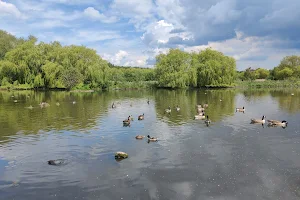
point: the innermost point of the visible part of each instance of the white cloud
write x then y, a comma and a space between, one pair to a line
94, 14
8, 9
125, 58
117, 58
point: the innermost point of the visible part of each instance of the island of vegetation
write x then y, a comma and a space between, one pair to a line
27, 64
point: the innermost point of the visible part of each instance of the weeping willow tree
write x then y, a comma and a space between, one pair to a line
214, 68
172, 69
178, 69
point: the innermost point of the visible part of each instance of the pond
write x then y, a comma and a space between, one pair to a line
229, 159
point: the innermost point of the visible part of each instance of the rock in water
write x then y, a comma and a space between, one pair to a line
121, 155
56, 162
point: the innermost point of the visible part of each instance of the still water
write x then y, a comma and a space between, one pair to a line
230, 159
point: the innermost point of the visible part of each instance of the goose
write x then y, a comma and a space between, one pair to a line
148, 102
207, 121
240, 109
113, 105
152, 139
126, 122
168, 110
141, 117
177, 108
260, 121
139, 137
277, 123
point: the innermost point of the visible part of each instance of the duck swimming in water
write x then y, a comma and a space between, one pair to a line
259, 121
277, 123
141, 117
152, 139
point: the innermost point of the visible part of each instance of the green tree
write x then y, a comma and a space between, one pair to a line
172, 69
261, 73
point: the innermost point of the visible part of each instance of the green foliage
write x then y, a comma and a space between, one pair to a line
71, 77
178, 69
289, 67
261, 73
7, 43
172, 69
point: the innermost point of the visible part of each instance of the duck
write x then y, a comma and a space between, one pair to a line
148, 102
168, 110
240, 109
177, 108
74, 102
139, 137
260, 121
277, 123
113, 105
141, 117
126, 122
207, 121
199, 117
152, 139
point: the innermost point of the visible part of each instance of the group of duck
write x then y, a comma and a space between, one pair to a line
271, 122
201, 113
127, 122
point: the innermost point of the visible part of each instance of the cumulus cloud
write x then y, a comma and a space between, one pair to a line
8, 9
94, 14
256, 32
126, 59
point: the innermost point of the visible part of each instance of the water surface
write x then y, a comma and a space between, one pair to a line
230, 159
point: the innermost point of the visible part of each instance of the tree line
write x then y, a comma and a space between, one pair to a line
289, 68
25, 63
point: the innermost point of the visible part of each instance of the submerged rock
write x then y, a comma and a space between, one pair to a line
56, 162
121, 155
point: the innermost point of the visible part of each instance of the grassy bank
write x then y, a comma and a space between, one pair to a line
114, 85
268, 84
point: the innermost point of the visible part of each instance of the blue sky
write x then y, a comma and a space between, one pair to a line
257, 33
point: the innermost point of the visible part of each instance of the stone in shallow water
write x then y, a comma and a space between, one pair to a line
56, 162
121, 155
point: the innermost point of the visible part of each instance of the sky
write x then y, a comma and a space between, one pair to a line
257, 33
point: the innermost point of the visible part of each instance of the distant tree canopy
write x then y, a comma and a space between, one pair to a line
178, 69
